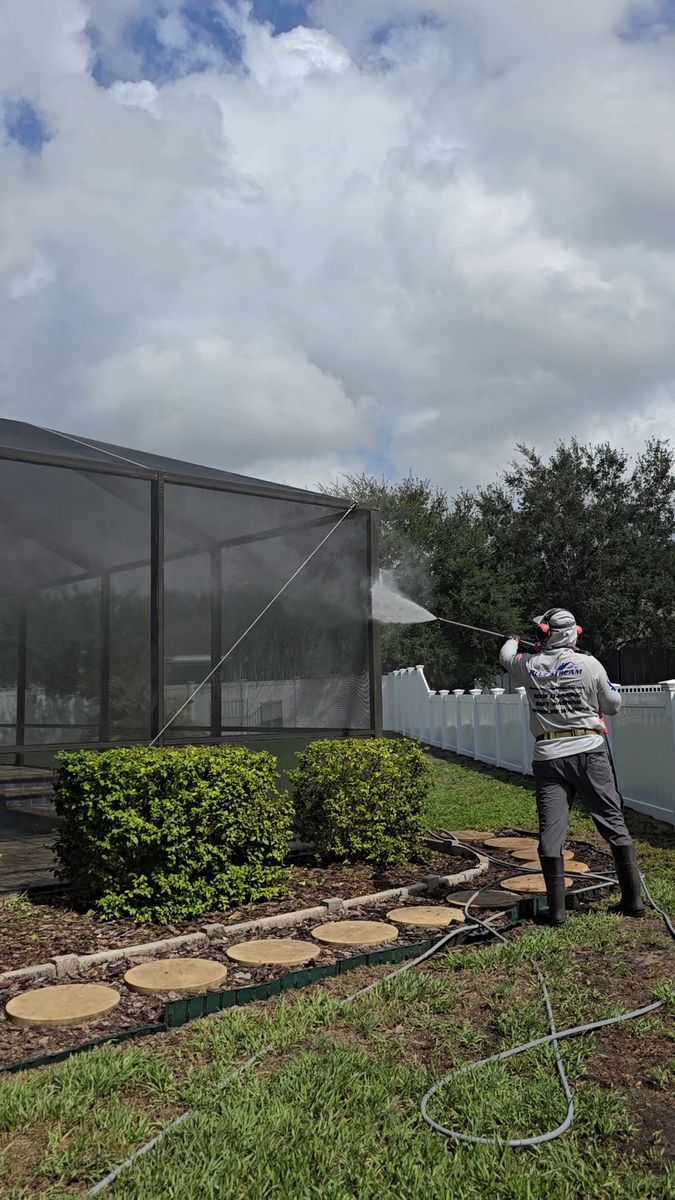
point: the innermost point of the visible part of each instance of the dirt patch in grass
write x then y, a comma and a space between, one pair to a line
20, 1153
626, 1065
468, 1030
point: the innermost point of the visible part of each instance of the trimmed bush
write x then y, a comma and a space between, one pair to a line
167, 834
362, 799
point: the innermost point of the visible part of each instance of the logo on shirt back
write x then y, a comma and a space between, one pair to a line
562, 670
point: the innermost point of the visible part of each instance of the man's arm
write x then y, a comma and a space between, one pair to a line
609, 697
511, 660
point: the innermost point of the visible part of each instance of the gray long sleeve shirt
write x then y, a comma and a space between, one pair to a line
565, 690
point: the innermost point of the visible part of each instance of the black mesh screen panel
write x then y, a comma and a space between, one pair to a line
8, 669
128, 717
187, 641
305, 665
74, 604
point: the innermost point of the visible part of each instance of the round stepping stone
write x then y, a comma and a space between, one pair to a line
63, 1005
473, 835
355, 933
571, 864
525, 854
512, 843
273, 952
191, 975
491, 898
529, 883
429, 916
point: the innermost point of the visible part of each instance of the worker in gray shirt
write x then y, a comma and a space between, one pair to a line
568, 693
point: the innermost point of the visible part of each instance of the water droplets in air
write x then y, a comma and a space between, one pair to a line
390, 607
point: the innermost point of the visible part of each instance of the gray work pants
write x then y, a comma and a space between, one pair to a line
559, 781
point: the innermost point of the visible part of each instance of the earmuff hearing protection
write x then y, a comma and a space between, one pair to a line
544, 629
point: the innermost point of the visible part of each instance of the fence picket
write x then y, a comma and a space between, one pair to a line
496, 729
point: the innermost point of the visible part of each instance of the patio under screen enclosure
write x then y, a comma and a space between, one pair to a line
125, 577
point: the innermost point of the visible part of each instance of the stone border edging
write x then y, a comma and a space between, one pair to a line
63, 966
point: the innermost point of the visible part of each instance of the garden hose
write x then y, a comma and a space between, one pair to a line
553, 1038
262, 1053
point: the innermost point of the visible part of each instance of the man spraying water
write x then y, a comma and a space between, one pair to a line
568, 692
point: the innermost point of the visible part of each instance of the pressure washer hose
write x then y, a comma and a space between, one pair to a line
553, 1038
265, 1050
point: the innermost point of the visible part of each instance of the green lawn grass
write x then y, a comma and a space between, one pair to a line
333, 1111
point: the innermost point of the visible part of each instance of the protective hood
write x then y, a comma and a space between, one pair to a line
563, 628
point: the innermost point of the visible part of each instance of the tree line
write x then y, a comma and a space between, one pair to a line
589, 528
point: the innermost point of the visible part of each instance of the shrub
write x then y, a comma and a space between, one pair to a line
358, 798
167, 834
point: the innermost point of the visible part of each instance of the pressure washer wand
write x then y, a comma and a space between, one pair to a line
477, 629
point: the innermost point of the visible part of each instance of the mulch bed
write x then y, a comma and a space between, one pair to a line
134, 1010
54, 926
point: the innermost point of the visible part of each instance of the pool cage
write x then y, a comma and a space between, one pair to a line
126, 576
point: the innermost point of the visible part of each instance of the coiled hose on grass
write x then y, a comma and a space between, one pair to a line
553, 1038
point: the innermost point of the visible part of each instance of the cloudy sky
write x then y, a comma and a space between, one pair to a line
296, 238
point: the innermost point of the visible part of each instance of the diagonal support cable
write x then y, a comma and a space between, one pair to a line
253, 624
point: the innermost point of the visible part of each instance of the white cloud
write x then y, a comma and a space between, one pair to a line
291, 56
39, 276
241, 394
43, 45
339, 251
141, 95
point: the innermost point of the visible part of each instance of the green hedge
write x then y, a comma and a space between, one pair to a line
167, 834
362, 799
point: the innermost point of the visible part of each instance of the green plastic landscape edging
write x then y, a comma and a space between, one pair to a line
45, 1060
179, 1012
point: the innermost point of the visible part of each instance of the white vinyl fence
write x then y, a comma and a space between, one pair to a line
494, 727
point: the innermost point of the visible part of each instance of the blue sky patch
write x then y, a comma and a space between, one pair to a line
284, 15
377, 463
649, 22
204, 26
24, 125
381, 35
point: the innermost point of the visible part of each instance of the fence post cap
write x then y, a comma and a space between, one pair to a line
418, 667
668, 685
521, 691
476, 691
444, 692
497, 691
458, 691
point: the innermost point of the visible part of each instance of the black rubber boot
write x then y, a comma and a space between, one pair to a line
628, 875
554, 876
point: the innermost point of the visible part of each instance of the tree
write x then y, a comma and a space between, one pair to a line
586, 529
592, 533
475, 587
436, 553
